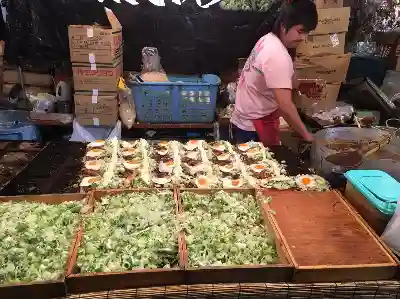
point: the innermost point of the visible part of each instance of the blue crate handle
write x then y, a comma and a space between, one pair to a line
11, 136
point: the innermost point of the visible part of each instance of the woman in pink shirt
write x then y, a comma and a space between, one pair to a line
265, 86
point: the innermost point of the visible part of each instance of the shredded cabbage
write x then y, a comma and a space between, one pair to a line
128, 231
35, 240
225, 229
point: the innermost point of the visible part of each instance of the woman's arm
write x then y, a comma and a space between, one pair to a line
289, 112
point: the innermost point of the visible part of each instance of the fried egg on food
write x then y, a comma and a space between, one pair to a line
88, 181
128, 152
244, 147
219, 147
161, 181
131, 164
192, 145
96, 143
95, 153
253, 152
223, 156
163, 144
257, 168
126, 144
203, 182
306, 181
227, 168
192, 155
94, 165
167, 166
231, 184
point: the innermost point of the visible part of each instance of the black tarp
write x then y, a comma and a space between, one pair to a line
190, 39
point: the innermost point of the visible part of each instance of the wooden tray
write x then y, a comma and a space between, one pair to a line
326, 239
281, 272
42, 289
96, 282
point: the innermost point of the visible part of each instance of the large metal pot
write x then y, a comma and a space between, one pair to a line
320, 151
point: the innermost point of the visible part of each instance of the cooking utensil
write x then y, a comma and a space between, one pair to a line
359, 142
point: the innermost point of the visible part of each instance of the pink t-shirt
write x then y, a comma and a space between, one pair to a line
269, 66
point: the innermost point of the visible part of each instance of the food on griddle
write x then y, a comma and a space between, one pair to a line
161, 180
223, 157
232, 183
131, 164
126, 144
218, 147
192, 155
163, 144
260, 171
228, 168
167, 166
96, 143
345, 159
94, 165
95, 153
203, 182
192, 145
342, 145
129, 152
89, 181
311, 183
279, 183
244, 147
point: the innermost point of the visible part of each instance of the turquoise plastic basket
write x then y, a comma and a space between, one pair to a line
379, 188
182, 100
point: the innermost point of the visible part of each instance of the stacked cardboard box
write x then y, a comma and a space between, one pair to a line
96, 56
322, 55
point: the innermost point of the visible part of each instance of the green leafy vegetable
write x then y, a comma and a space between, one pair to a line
128, 231
35, 240
225, 229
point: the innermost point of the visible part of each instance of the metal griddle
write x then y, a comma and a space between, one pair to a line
15, 156
56, 169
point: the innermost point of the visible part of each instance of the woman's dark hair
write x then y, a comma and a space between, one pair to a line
296, 12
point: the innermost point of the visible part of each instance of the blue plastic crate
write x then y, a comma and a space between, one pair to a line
19, 131
182, 100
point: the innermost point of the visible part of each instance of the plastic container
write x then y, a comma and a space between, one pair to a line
379, 188
185, 99
19, 131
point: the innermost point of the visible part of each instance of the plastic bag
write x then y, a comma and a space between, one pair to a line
391, 235
127, 111
89, 134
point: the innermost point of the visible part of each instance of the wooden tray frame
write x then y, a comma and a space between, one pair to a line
239, 274
338, 273
97, 282
49, 288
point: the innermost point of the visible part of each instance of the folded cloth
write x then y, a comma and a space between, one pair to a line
267, 129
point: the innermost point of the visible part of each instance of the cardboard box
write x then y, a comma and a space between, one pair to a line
313, 105
331, 68
86, 103
96, 119
34, 79
328, 3
322, 44
102, 78
332, 20
96, 44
